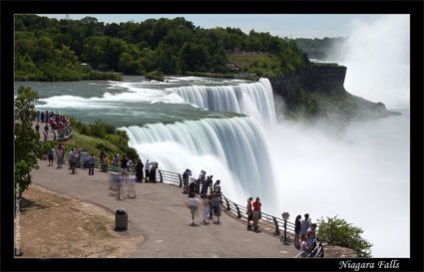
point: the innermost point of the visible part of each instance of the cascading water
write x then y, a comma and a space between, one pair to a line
232, 150
254, 99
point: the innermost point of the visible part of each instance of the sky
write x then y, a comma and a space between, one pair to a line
282, 25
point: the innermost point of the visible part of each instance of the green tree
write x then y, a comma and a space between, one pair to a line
338, 232
27, 141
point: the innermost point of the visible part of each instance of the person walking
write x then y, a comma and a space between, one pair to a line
73, 160
193, 204
249, 212
124, 166
256, 214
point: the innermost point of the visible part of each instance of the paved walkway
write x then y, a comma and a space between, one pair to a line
159, 214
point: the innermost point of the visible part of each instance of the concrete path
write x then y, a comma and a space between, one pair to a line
159, 214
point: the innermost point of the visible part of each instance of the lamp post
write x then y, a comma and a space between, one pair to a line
286, 216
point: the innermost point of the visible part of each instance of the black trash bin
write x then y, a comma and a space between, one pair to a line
121, 220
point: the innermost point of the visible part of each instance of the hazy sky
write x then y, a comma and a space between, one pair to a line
283, 25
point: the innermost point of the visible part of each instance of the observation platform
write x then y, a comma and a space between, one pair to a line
159, 214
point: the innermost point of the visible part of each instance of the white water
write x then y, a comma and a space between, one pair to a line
254, 99
232, 150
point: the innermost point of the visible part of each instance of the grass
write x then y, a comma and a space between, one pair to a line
246, 61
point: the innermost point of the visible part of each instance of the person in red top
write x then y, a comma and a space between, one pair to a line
256, 214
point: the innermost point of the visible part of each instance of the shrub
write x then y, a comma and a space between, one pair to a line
338, 232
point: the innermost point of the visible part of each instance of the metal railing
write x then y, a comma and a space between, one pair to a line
268, 223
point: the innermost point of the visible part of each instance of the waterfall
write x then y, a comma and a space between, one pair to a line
231, 149
254, 99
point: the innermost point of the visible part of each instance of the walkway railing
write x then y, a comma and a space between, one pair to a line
268, 223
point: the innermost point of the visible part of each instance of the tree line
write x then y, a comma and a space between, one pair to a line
48, 49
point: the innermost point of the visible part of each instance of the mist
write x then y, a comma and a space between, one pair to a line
376, 55
360, 173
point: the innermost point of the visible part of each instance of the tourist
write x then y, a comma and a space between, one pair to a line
256, 214
186, 177
106, 163
115, 163
50, 156
297, 231
46, 132
147, 170
304, 249
73, 160
206, 185
60, 153
311, 234
217, 186
249, 212
120, 184
193, 204
206, 208
152, 175
304, 225
124, 166
102, 159
91, 162
200, 181
37, 128
131, 182
216, 202
139, 171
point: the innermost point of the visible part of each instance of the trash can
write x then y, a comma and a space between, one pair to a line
121, 220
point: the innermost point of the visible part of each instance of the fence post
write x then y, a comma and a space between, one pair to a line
160, 174
277, 230
181, 181
238, 211
228, 204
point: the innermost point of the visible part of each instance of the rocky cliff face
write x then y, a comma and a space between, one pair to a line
319, 92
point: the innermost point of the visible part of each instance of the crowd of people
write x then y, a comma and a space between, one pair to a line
305, 235
210, 197
203, 195
53, 120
